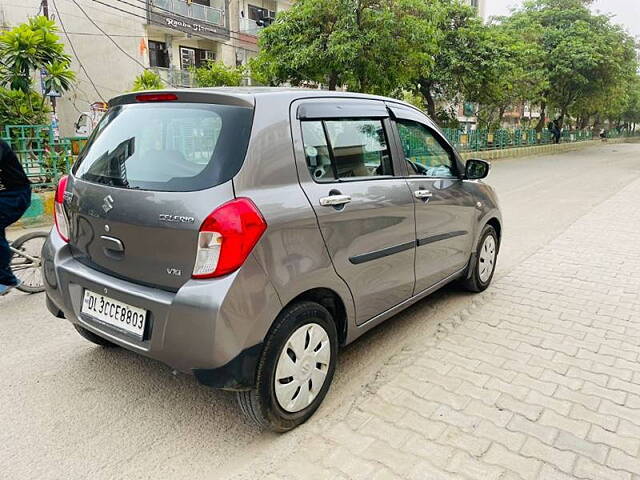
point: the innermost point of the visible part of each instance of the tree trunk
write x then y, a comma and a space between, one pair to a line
563, 114
425, 90
543, 117
501, 115
333, 81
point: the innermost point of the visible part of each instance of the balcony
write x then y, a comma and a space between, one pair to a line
174, 76
213, 15
250, 27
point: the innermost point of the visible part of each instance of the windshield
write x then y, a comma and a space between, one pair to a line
166, 146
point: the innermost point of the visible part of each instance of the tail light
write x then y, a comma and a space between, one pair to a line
156, 97
227, 237
60, 216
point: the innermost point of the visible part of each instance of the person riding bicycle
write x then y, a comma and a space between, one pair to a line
15, 198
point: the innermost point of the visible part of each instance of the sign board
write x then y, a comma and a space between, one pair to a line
188, 25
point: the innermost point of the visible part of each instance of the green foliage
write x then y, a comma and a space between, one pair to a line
631, 110
34, 46
217, 74
585, 60
365, 45
19, 108
147, 80
555, 54
458, 48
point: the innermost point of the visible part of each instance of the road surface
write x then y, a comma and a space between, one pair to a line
71, 410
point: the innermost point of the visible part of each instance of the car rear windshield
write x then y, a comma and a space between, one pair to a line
173, 147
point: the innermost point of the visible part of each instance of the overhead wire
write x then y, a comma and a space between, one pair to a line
233, 34
114, 42
75, 53
146, 19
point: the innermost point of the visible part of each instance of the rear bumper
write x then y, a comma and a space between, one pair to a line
211, 328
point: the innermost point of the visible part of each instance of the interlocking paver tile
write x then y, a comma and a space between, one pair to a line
539, 378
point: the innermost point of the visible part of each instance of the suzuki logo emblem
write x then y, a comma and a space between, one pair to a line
108, 203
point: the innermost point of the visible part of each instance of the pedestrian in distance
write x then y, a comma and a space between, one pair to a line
603, 135
557, 131
15, 198
551, 126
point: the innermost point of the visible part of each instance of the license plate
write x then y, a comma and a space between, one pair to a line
112, 312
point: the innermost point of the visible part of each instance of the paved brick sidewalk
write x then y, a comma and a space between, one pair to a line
539, 378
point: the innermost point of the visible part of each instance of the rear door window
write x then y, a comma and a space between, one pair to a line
339, 149
167, 147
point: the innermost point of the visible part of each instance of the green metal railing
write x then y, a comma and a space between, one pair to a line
43, 158
478, 140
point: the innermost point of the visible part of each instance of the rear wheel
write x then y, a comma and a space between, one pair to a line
484, 262
93, 338
295, 369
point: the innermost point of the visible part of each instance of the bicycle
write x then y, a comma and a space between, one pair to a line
26, 261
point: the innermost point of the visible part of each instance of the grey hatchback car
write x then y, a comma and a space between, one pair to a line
244, 235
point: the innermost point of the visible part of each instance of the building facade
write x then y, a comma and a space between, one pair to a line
115, 40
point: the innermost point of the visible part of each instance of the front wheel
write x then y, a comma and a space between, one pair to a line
295, 369
484, 262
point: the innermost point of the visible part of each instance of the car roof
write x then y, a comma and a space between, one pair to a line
248, 94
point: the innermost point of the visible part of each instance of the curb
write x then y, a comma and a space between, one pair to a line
539, 149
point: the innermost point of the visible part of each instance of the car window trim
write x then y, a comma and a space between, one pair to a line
340, 110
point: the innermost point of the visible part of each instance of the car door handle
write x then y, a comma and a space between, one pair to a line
422, 194
333, 200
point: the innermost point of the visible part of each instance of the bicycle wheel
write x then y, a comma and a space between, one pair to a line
26, 262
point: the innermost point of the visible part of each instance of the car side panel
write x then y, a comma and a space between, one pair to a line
291, 251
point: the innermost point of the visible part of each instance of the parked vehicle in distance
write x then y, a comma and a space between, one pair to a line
242, 235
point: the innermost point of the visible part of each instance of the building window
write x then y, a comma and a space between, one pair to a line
261, 16
158, 54
195, 57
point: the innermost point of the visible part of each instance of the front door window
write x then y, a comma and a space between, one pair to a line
424, 153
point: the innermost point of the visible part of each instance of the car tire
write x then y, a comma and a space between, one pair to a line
280, 408
486, 255
93, 338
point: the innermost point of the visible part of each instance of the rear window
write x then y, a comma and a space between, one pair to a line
169, 147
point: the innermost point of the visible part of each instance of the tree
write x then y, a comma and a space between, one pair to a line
19, 108
585, 58
443, 80
631, 111
370, 46
147, 80
498, 73
217, 74
34, 46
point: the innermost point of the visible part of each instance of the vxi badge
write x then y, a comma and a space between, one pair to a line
165, 217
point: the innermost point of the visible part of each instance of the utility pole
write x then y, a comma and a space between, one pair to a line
45, 12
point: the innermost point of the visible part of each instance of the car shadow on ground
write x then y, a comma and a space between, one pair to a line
149, 397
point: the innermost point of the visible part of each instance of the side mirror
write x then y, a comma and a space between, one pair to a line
476, 169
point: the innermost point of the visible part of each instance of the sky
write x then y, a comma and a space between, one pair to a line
627, 12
